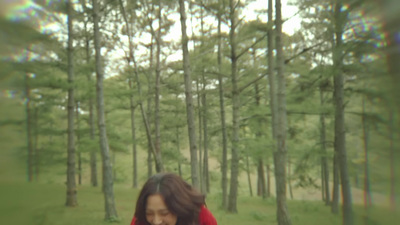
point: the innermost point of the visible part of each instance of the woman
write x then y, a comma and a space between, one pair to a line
166, 199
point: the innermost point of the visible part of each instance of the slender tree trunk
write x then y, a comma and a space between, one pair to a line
224, 166
30, 160
335, 191
280, 154
367, 191
108, 185
200, 141
261, 191
232, 201
157, 141
268, 180
205, 178
93, 152
157, 157
189, 99
392, 162
36, 143
261, 179
271, 73
149, 105
289, 179
71, 200
133, 132
340, 136
272, 90
178, 142
248, 175
205, 139
324, 161
78, 138
131, 99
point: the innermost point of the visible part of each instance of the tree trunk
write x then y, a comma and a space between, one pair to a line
157, 141
392, 163
289, 179
36, 143
232, 202
261, 191
340, 136
93, 152
71, 200
261, 179
367, 191
272, 90
268, 180
248, 175
224, 166
78, 137
189, 99
205, 178
200, 142
108, 189
335, 191
324, 161
30, 160
133, 132
149, 105
283, 217
131, 99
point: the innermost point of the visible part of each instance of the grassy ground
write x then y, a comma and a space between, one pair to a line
42, 204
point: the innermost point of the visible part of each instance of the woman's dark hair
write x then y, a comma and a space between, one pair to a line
180, 197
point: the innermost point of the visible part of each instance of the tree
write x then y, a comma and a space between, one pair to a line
272, 84
224, 166
91, 121
281, 151
340, 17
71, 183
108, 189
189, 98
131, 99
235, 109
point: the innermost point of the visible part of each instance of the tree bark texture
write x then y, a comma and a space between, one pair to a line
189, 99
224, 166
108, 184
71, 200
324, 161
78, 137
367, 189
157, 142
93, 152
340, 136
280, 155
131, 99
261, 190
232, 201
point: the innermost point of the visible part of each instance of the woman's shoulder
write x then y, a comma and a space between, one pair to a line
206, 217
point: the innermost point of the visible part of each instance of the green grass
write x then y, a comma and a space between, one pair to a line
43, 204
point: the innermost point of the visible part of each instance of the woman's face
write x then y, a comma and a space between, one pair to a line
157, 213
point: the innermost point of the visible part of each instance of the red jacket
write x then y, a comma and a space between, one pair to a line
205, 217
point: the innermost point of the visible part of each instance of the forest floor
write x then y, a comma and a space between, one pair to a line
299, 193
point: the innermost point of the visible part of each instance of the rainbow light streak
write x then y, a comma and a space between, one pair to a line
9, 93
24, 10
362, 24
